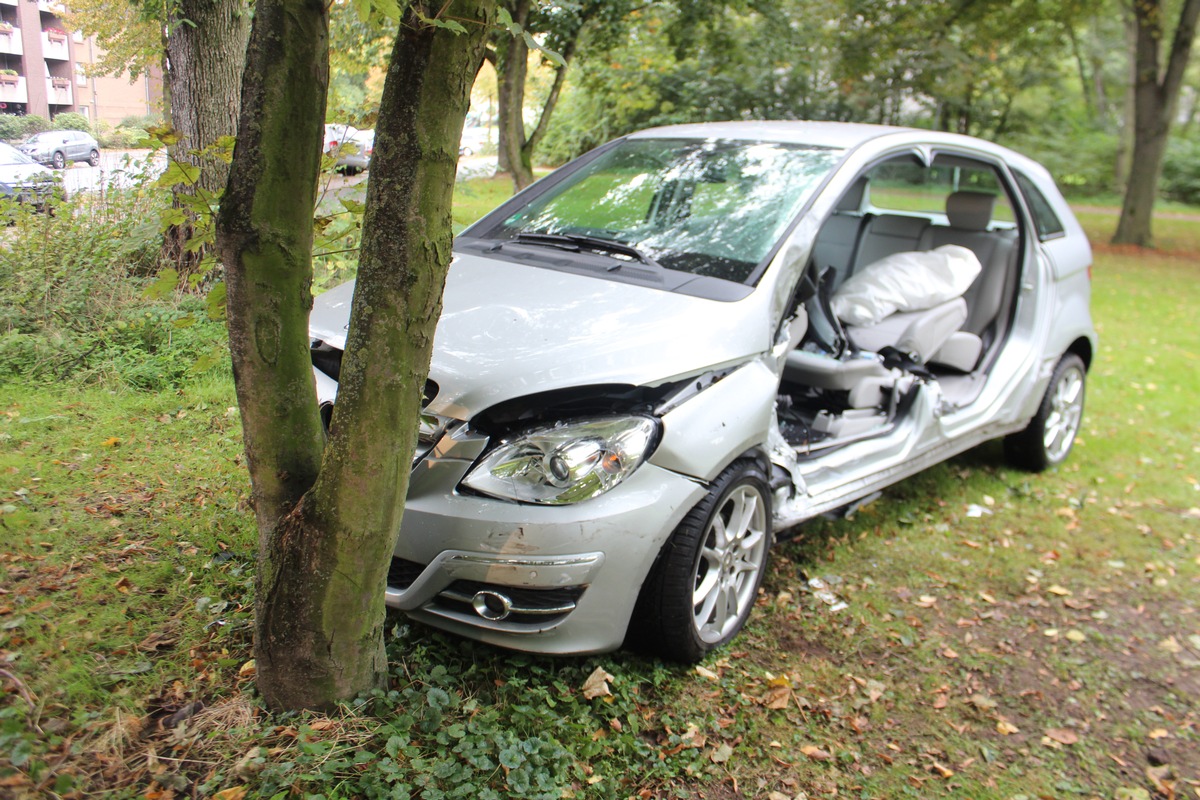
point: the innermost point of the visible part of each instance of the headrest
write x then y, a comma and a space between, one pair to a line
970, 210
853, 199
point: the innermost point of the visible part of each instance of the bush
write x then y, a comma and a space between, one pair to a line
140, 122
71, 121
12, 127
35, 124
1181, 171
73, 300
120, 138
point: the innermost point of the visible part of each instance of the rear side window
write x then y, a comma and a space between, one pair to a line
1047, 222
905, 186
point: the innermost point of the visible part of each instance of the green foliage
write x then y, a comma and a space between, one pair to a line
72, 302
71, 121
143, 122
34, 123
1181, 171
120, 138
12, 127
1081, 159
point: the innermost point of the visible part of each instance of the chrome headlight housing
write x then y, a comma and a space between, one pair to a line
565, 463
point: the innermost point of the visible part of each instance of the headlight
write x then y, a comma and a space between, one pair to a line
565, 463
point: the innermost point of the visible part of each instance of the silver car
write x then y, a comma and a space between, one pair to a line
674, 350
58, 148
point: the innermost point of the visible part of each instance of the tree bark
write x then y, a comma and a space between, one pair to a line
328, 518
1156, 96
206, 51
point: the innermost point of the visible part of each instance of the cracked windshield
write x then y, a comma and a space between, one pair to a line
711, 208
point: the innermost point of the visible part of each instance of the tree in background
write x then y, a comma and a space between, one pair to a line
328, 508
1156, 87
201, 47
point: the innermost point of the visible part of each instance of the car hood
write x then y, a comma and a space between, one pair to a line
508, 330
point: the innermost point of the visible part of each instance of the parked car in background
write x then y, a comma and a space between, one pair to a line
352, 147
23, 180
677, 348
474, 140
58, 148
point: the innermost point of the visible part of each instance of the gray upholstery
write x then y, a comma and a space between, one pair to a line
916, 333
996, 251
961, 351
887, 234
838, 237
970, 210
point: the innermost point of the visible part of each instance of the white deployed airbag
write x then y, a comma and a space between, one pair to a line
908, 281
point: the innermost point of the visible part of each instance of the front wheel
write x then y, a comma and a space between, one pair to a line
701, 590
1051, 432
59, 160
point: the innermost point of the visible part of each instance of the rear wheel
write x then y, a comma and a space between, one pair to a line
94, 158
701, 590
1051, 432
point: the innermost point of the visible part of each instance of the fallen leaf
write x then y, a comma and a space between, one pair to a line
1076, 636
1061, 591
949, 653
596, 684
1006, 728
1160, 779
982, 701
233, 793
816, 753
114, 441
704, 672
721, 754
1158, 733
247, 670
944, 772
1063, 735
987, 598
1171, 645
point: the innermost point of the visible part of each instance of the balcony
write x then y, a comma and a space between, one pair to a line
13, 89
10, 41
8, 2
58, 92
54, 45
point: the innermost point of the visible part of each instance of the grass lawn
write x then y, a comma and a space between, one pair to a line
1005, 635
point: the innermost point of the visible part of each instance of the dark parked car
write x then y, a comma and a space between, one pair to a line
56, 148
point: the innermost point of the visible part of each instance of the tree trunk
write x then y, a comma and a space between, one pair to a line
514, 68
1156, 96
327, 533
206, 49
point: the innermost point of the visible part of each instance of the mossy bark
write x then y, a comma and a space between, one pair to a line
328, 518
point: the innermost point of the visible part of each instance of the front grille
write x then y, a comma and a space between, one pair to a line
403, 572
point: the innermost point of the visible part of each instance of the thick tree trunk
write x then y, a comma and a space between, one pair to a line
327, 535
264, 236
1156, 96
206, 50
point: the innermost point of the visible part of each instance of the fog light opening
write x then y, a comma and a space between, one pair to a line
491, 605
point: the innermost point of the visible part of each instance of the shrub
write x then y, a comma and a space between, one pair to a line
73, 300
12, 127
71, 121
140, 122
1181, 171
119, 138
34, 124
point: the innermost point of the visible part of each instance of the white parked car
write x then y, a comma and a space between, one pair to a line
676, 349
350, 146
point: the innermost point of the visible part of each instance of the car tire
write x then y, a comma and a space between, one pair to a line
94, 158
465, 152
1047, 440
679, 614
58, 160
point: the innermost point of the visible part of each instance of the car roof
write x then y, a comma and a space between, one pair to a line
820, 134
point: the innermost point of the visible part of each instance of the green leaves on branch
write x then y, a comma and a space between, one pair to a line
516, 29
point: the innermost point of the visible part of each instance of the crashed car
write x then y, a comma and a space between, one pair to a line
666, 355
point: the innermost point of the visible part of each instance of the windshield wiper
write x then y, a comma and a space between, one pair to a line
577, 242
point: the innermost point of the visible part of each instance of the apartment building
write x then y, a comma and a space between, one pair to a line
42, 69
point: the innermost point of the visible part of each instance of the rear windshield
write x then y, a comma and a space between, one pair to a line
706, 207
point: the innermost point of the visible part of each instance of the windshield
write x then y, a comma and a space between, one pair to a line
706, 207
10, 155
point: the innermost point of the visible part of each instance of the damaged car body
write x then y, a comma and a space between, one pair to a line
671, 352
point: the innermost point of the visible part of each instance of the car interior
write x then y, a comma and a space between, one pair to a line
845, 380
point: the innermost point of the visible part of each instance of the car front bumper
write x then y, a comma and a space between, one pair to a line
550, 579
